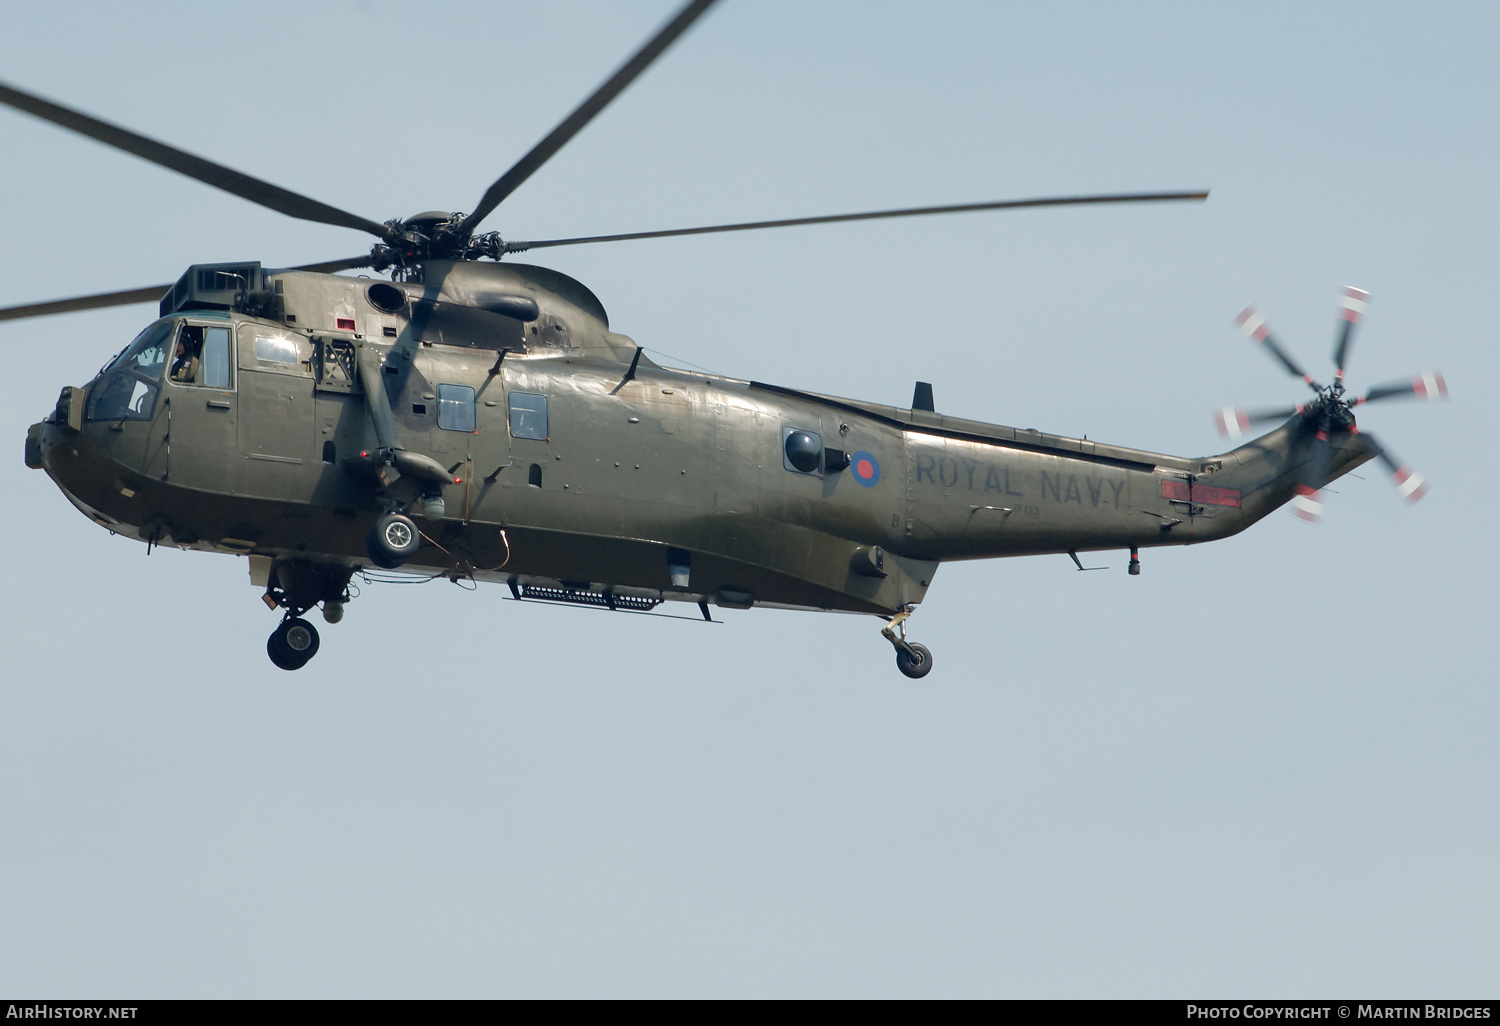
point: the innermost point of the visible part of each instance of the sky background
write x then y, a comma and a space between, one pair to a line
1265, 767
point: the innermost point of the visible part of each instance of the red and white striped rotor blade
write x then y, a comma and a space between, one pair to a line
1234, 423
1253, 323
1352, 306
1409, 484
1307, 504
1429, 386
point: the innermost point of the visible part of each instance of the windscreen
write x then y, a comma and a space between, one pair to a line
127, 390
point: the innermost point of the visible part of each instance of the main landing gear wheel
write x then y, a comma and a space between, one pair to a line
914, 660
393, 541
291, 645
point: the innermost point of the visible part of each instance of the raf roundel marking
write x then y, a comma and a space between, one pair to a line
866, 469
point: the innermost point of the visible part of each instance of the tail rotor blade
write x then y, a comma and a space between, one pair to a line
1307, 504
1253, 323
1352, 306
1411, 485
1234, 423
1429, 386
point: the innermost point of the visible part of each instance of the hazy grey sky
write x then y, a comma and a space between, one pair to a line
1264, 767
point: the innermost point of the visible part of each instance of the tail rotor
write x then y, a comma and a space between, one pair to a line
1331, 413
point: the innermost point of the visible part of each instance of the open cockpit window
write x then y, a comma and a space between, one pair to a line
127, 390
201, 356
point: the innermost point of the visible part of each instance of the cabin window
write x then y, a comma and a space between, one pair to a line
275, 350
456, 408
528, 415
275, 354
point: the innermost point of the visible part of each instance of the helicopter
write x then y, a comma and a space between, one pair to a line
477, 419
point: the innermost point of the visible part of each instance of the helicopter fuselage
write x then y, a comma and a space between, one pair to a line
573, 467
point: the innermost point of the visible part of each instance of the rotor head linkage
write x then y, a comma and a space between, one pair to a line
434, 235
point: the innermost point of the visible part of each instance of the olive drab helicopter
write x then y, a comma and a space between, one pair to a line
479, 420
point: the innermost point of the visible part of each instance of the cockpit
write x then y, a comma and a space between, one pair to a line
130, 384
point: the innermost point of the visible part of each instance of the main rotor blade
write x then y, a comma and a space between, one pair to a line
1429, 386
1253, 323
150, 294
330, 266
575, 122
206, 171
1352, 306
874, 215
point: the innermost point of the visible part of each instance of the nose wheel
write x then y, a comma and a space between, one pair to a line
912, 659
293, 644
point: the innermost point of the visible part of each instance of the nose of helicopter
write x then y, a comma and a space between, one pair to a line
34, 446
67, 415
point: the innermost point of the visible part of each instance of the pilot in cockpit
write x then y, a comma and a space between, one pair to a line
189, 350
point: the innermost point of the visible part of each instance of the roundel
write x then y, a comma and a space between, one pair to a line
866, 469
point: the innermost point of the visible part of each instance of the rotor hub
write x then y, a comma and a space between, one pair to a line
433, 235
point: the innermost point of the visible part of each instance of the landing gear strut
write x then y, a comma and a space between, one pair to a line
911, 659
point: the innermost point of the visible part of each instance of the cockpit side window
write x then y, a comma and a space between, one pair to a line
128, 389
201, 356
187, 357
216, 361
